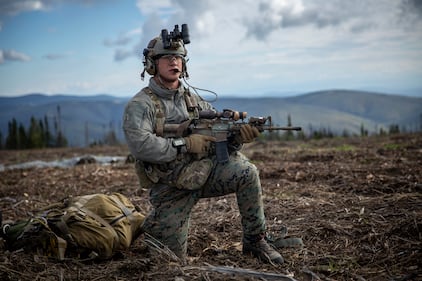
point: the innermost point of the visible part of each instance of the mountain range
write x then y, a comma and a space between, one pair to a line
85, 119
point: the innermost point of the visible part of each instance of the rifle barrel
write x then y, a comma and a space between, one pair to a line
284, 128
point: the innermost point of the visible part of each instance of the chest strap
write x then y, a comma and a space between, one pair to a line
160, 118
191, 105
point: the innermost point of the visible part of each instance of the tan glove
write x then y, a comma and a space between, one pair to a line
248, 133
198, 143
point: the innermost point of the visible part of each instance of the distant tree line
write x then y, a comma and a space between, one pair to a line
38, 134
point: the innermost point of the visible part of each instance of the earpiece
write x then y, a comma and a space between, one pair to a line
150, 66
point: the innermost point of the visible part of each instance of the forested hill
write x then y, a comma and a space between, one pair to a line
84, 120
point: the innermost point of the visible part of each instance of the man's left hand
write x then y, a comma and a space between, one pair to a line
248, 133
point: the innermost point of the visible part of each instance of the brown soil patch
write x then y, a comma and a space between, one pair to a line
356, 203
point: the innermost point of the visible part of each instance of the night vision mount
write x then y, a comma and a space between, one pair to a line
170, 39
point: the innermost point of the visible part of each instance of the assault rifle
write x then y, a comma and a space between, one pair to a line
223, 126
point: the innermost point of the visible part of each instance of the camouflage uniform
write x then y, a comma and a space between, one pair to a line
169, 218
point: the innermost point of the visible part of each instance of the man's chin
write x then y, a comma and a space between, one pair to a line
170, 78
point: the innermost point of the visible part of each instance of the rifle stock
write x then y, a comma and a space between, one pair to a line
177, 130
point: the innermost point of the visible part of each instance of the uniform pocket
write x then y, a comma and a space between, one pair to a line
195, 174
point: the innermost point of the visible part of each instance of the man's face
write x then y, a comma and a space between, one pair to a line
170, 67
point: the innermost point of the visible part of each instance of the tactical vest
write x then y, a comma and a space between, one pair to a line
149, 174
160, 117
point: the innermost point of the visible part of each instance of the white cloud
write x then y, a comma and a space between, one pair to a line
259, 45
147, 7
17, 7
12, 55
238, 22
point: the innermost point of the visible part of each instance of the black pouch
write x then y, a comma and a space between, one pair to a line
144, 180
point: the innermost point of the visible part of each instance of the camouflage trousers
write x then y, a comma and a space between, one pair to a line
169, 219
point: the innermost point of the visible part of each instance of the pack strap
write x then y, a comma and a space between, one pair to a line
127, 213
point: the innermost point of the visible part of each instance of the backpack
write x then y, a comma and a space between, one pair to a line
95, 226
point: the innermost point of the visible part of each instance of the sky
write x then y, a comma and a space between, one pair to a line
245, 48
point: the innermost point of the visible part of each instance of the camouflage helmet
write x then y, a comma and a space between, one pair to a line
155, 49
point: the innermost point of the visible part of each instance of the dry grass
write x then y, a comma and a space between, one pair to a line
356, 203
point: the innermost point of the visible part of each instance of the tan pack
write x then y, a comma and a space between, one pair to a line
104, 224
89, 226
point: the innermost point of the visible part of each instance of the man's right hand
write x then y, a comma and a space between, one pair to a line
198, 143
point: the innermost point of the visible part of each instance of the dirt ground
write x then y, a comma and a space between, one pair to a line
356, 203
